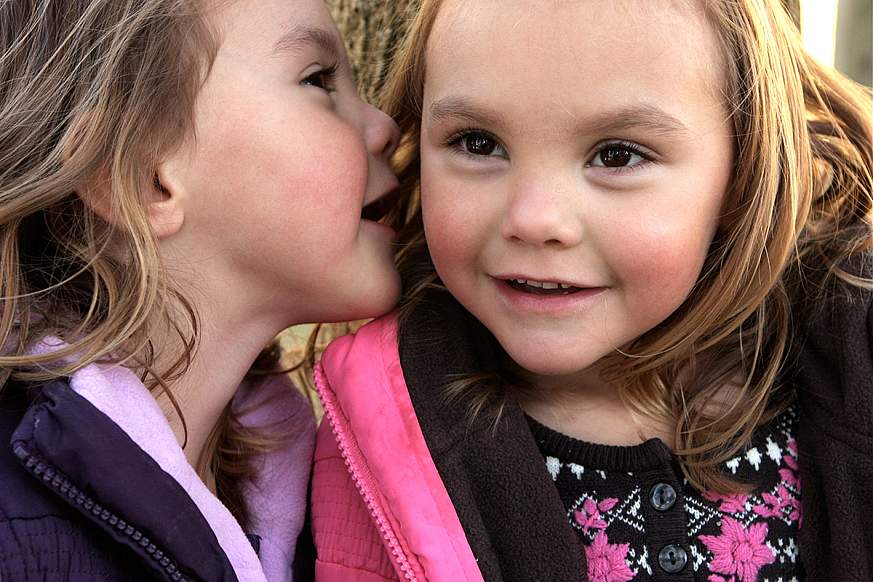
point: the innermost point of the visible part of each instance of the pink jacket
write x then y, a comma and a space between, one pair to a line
374, 518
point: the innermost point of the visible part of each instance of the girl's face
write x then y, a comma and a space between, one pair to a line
283, 158
574, 160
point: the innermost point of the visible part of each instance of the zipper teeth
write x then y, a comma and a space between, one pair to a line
372, 505
61, 485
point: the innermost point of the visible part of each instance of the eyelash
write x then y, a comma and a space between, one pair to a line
455, 143
326, 78
634, 148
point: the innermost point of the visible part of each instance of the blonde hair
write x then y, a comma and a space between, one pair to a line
96, 90
798, 208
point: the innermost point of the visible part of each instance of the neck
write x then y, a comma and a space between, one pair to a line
587, 408
228, 343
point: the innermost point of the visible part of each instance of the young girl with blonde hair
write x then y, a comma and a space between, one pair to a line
179, 181
635, 336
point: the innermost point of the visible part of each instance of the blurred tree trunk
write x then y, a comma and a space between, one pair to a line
372, 29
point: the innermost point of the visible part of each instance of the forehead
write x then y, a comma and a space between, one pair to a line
274, 24
660, 49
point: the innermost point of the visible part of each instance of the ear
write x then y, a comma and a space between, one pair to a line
162, 196
163, 206
166, 209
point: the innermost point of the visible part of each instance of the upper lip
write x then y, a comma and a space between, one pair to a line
546, 279
377, 207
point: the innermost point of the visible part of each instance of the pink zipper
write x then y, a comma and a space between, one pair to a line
361, 476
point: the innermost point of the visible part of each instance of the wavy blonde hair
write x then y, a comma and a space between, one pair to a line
98, 89
798, 208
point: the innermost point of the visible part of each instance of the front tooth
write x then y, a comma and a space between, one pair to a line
550, 285
535, 284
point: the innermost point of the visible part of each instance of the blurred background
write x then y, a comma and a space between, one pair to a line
838, 33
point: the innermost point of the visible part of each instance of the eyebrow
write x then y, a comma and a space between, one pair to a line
297, 37
644, 116
458, 108
647, 117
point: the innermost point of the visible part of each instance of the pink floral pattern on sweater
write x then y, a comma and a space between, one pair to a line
728, 503
589, 516
739, 551
741, 537
606, 561
784, 503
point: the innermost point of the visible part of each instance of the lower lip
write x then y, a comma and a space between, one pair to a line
531, 302
381, 227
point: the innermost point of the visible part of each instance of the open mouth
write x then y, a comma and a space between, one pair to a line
542, 287
379, 208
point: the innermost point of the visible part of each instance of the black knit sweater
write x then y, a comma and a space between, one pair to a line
640, 520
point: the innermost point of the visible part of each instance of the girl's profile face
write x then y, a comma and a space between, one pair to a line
574, 161
283, 158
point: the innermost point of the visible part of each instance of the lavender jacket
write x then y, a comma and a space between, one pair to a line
93, 486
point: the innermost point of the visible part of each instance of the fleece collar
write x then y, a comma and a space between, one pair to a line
277, 494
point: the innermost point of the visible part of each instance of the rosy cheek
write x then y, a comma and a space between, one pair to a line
449, 228
664, 259
444, 239
328, 175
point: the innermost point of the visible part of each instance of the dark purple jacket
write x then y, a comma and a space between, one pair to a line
84, 496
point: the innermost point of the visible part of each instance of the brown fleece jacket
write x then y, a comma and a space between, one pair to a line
504, 497
834, 382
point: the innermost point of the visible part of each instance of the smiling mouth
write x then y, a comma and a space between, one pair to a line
542, 287
379, 208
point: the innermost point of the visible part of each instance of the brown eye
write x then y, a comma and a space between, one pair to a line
479, 144
615, 156
619, 156
324, 79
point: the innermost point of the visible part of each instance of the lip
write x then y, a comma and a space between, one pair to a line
546, 304
546, 279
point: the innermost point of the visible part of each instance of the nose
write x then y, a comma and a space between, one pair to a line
381, 134
540, 213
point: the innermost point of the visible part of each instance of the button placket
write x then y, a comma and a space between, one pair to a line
666, 523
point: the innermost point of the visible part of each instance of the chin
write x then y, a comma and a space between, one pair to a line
376, 301
540, 361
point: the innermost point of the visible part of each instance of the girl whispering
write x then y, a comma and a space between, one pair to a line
179, 182
634, 341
